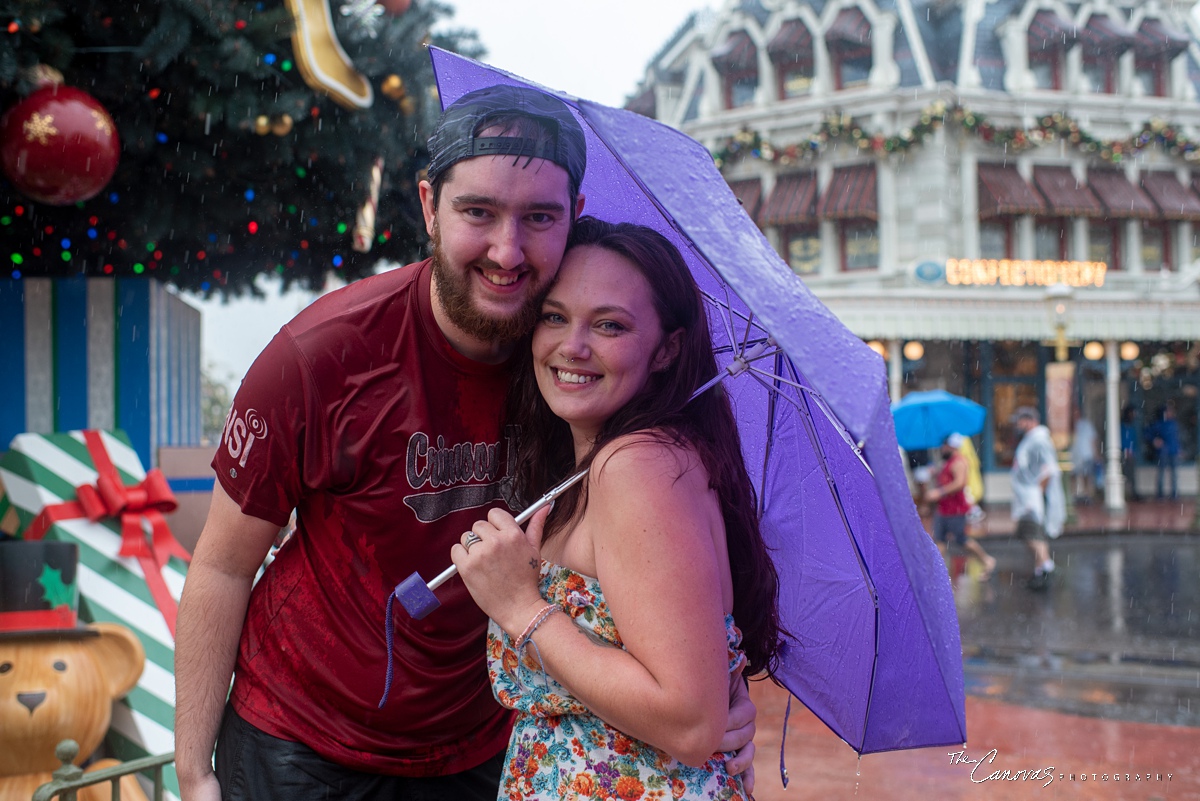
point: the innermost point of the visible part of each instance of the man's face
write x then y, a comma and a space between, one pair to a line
498, 232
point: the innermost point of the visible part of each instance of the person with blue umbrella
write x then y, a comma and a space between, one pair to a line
953, 505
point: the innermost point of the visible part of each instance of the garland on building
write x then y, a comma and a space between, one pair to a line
1048, 128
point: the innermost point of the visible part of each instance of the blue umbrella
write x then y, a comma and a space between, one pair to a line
875, 651
925, 419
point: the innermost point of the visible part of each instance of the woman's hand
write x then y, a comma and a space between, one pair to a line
502, 566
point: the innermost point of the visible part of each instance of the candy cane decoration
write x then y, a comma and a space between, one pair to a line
364, 221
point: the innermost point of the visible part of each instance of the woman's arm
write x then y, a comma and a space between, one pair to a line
651, 514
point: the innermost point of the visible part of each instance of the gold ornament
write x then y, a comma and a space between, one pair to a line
282, 125
393, 87
262, 125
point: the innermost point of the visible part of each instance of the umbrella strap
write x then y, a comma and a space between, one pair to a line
783, 774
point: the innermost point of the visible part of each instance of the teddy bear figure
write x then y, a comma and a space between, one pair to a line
58, 678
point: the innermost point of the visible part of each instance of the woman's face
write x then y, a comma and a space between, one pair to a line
598, 340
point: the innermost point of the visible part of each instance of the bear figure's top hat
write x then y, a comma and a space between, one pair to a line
39, 590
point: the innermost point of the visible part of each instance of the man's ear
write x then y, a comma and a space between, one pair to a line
579, 205
668, 352
425, 190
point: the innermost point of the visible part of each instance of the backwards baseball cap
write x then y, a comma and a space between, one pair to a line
456, 136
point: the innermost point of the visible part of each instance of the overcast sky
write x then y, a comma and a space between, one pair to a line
591, 49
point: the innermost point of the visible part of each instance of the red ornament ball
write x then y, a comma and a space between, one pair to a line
59, 145
395, 7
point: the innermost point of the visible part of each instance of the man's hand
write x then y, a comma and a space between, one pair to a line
739, 732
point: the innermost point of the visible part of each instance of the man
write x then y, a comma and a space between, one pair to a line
1038, 504
1165, 438
953, 505
1084, 452
376, 415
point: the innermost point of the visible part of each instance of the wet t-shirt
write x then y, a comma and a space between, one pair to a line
388, 444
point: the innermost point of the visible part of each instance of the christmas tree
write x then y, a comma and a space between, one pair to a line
254, 137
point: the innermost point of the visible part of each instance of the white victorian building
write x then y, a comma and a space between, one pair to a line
999, 195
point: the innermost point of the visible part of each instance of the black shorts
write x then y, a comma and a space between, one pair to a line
944, 527
254, 766
1030, 530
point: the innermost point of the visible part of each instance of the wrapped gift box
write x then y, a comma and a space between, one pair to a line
52, 485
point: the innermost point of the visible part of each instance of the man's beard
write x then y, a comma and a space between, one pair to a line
454, 293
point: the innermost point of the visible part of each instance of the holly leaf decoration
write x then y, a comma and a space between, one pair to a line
54, 590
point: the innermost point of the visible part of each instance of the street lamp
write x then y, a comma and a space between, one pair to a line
1059, 385
1058, 300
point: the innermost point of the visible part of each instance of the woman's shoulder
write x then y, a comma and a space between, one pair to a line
650, 459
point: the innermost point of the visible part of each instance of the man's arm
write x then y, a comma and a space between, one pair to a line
212, 611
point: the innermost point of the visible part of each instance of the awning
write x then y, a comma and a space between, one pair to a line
748, 193
1049, 31
1119, 197
1154, 40
850, 30
1066, 197
850, 195
1174, 199
644, 103
1002, 191
793, 200
738, 53
793, 42
1104, 36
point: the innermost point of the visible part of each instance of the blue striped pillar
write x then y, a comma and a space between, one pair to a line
100, 353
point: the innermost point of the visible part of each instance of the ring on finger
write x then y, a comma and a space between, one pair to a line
471, 539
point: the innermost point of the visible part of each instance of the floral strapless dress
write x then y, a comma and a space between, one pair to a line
560, 750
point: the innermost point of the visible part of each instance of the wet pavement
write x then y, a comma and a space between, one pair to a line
1093, 683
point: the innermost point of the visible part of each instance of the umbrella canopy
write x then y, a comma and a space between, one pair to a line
925, 419
875, 651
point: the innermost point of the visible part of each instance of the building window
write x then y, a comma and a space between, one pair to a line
851, 69
1098, 74
1104, 242
736, 59
795, 79
803, 246
1156, 245
995, 239
860, 245
740, 88
1150, 75
1050, 239
1045, 65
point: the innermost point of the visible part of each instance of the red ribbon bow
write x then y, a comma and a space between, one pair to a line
144, 502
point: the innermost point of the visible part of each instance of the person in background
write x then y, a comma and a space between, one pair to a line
1129, 446
1165, 436
953, 504
1084, 452
1039, 504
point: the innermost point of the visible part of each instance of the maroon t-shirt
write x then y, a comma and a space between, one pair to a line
387, 442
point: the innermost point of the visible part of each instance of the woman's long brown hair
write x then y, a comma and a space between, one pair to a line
706, 425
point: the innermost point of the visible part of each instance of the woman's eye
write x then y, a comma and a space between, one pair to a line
552, 317
611, 327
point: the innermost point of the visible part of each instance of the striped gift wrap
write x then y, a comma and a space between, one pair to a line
42, 470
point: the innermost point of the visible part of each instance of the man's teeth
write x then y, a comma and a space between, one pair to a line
574, 378
502, 279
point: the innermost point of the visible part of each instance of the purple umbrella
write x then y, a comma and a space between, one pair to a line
876, 652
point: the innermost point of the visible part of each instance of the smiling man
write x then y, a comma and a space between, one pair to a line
376, 415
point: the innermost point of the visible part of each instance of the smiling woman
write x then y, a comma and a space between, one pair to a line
651, 558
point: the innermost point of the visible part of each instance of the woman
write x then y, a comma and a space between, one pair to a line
612, 628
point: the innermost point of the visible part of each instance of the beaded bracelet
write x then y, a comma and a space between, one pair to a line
543, 613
